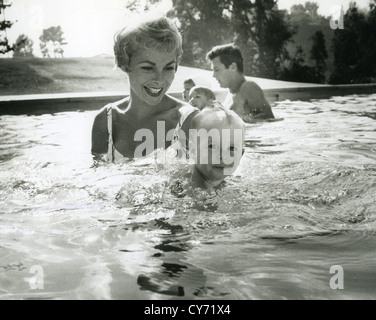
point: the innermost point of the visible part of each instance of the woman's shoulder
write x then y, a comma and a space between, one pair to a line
120, 106
179, 108
174, 102
109, 110
183, 114
184, 108
113, 106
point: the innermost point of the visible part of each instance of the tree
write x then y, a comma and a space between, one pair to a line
52, 42
23, 47
4, 24
258, 27
306, 22
308, 12
139, 6
311, 9
204, 24
354, 48
298, 70
368, 63
319, 55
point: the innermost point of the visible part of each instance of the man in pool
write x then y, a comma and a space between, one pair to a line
216, 145
246, 97
201, 97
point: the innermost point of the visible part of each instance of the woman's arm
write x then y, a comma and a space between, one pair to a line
99, 133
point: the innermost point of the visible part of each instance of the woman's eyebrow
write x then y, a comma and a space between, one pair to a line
154, 64
170, 63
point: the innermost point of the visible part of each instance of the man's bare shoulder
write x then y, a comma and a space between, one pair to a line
251, 90
250, 85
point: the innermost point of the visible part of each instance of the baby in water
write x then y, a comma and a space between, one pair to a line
216, 145
201, 97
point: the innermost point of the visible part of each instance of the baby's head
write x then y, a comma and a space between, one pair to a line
216, 144
201, 97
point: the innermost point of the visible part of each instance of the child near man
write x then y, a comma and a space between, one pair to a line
201, 97
246, 98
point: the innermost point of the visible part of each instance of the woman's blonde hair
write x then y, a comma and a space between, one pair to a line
144, 31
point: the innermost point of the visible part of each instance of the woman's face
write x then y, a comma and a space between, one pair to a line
151, 73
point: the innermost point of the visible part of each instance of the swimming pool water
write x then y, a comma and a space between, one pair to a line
301, 202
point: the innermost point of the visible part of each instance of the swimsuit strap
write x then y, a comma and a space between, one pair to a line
111, 147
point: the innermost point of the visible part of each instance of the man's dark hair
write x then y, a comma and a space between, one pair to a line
227, 53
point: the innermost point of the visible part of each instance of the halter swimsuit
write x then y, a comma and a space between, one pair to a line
114, 155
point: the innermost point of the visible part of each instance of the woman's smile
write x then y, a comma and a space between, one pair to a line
151, 74
154, 92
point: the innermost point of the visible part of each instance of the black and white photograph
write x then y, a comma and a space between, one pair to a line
187, 154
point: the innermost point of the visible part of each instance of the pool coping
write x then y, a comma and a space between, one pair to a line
83, 101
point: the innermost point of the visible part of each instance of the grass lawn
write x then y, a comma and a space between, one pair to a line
96, 74
37, 75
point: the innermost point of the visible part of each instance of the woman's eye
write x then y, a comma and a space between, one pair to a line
147, 68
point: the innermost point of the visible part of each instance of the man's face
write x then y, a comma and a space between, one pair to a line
220, 72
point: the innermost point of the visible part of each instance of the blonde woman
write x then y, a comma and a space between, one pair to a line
148, 50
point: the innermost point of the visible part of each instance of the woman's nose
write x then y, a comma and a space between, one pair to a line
158, 76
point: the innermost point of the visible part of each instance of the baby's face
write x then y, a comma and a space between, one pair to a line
198, 100
218, 154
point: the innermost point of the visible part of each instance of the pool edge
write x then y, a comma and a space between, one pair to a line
60, 102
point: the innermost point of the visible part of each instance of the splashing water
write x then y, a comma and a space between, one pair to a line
301, 201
